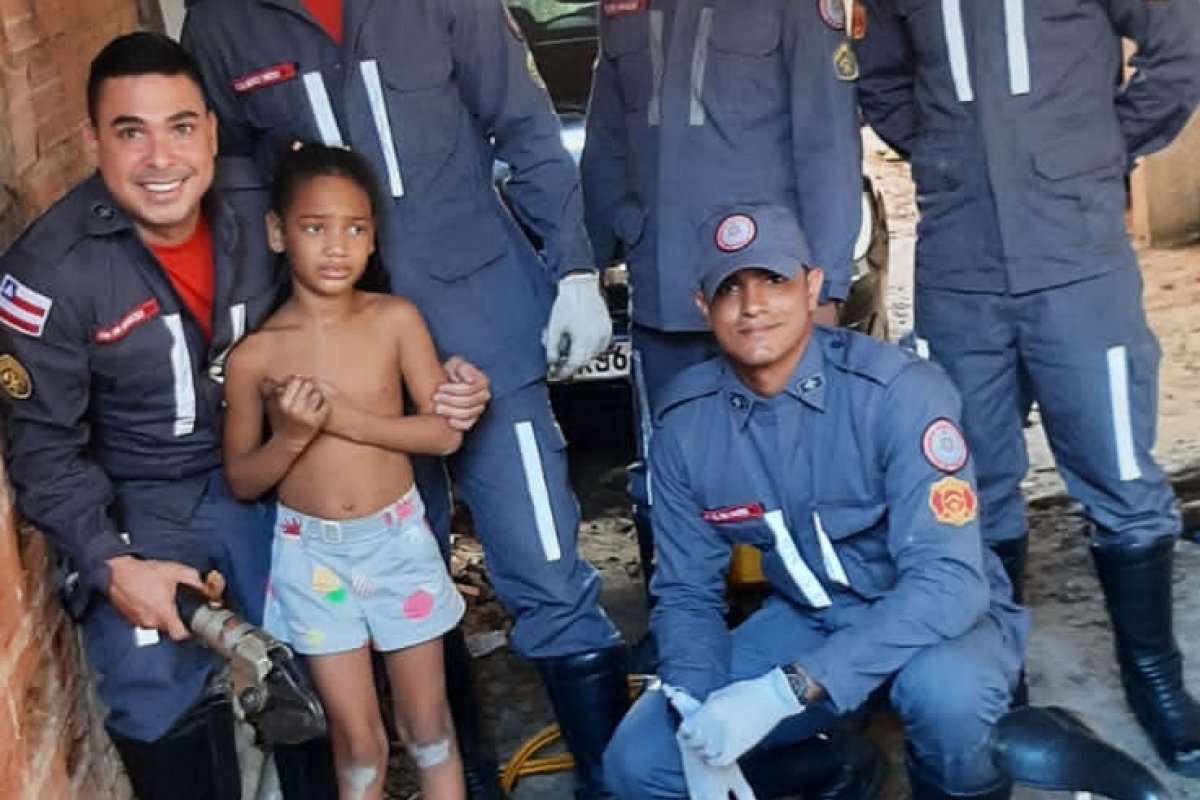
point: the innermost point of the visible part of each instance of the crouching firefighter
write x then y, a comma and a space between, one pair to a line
117, 309
878, 572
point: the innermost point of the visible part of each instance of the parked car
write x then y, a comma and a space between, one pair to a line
564, 39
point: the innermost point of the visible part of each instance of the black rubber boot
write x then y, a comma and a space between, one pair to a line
1013, 554
840, 766
1137, 590
590, 694
306, 770
924, 787
195, 760
477, 747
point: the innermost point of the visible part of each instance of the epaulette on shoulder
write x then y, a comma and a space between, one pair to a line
53, 235
876, 361
694, 382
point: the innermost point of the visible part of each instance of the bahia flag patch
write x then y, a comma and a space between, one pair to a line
21, 308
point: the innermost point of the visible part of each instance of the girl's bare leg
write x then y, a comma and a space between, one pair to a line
423, 719
346, 684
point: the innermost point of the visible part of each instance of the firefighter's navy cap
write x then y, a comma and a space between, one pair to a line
750, 237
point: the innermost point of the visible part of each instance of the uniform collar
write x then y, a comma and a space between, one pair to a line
807, 383
103, 217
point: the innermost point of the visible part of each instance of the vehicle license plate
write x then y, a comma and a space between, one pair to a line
611, 364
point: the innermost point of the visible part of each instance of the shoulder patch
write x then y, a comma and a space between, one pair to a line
953, 502
858, 21
23, 309
14, 378
845, 62
944, 446
833, 13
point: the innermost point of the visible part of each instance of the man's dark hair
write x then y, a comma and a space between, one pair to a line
140, 53
305, 161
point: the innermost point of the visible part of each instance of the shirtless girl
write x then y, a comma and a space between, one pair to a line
354, 564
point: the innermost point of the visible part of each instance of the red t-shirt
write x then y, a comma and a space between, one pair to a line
192, 272
329, 14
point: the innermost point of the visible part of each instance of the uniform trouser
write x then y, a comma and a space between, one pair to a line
948, 695
148, 681
512, 472
1085, 354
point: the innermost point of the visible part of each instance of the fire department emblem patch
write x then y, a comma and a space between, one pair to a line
735, 233
858, 21
944, 446
14, 378
845, 63
833, 12
953, 502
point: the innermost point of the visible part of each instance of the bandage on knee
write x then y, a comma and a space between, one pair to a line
430, 755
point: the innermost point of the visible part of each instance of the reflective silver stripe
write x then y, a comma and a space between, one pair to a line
237, 327
802, 576
1118, 396
181, 372
833, 564
654, 112
922, 347
237, 322
535, 482
645, 420
322, 110
956, 45
1018, 50
696, 116
383, 128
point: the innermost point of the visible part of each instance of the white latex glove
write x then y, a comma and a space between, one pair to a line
737, 717
579, 326
705, 781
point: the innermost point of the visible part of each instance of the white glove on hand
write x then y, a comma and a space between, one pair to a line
736, 718
705, 781
579, 326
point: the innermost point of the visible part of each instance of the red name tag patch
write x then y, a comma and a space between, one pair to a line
730, 514
617, 8
267, 76
139, 316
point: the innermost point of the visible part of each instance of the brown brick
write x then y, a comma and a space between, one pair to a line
20, 34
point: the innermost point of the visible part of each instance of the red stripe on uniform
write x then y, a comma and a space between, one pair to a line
26, 306
14, 321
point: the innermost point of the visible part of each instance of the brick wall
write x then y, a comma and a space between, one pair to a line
52, 745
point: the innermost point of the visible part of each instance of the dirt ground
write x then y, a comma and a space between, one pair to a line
1069, 658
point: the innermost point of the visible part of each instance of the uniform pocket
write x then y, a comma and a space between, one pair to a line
630, 223
1060, 9
478, 243
628, 42
1080, 190
272, 106
422, 107
742, 66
